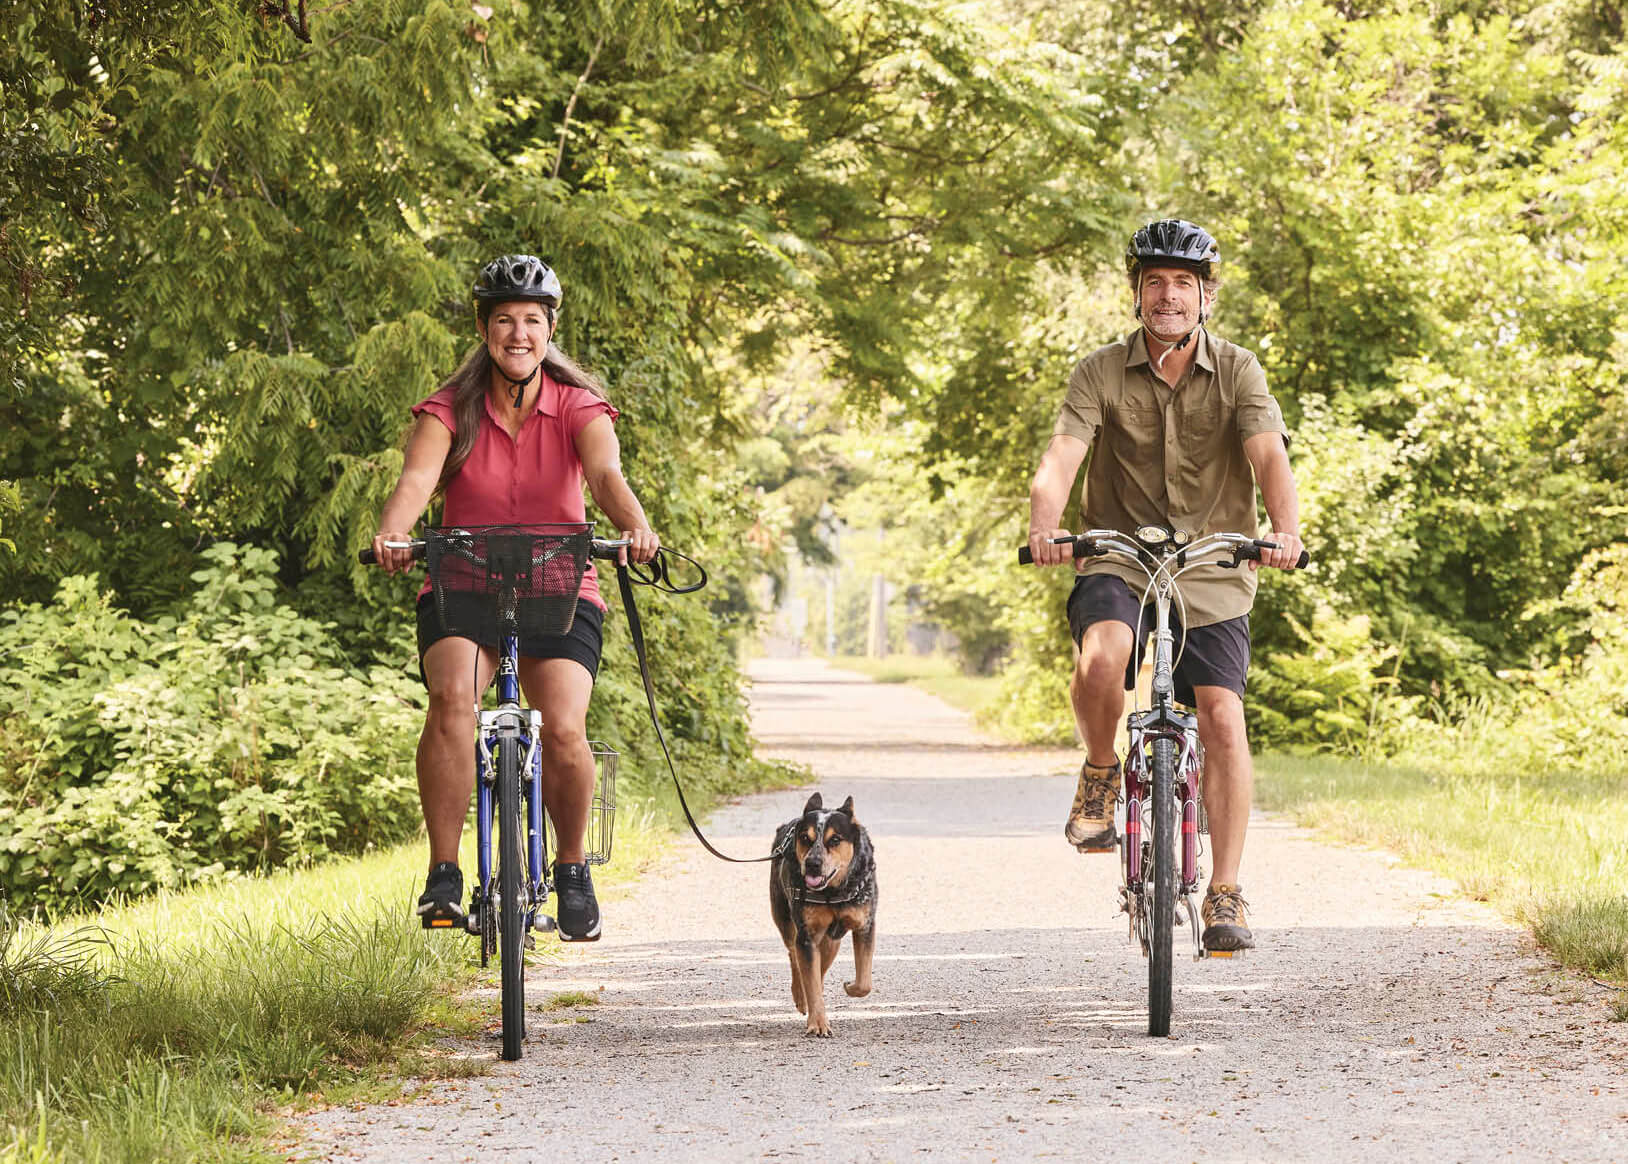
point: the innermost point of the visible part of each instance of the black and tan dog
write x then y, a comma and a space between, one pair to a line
822, 884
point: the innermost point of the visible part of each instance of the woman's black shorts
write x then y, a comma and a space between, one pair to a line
583, 642
1213, 656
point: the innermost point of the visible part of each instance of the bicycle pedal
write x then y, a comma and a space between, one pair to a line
1223, 953
543, 923
442, 919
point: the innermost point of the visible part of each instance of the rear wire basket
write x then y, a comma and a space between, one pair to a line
596, 844
484, 575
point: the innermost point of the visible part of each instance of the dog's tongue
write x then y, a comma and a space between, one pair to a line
813, 882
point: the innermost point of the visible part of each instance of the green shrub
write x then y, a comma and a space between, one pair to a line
1336, 693
229, 736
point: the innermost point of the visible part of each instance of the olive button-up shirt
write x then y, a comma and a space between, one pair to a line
1172, 456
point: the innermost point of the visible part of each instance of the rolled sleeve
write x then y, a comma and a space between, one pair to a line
583, 409
440, 407
1257, 409
1081, 414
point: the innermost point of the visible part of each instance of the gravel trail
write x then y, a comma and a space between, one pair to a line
1382, 1017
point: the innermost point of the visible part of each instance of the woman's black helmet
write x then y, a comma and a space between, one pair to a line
1172, 242
511, 278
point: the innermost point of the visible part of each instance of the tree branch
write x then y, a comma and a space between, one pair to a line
271, 9
570, 105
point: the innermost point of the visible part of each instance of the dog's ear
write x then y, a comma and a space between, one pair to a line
814, 802
847, 808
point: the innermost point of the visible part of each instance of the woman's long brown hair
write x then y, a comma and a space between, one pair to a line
472, 379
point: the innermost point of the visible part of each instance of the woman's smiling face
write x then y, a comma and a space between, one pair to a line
517, 336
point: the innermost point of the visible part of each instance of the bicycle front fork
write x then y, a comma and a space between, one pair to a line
531, 787
1136, 820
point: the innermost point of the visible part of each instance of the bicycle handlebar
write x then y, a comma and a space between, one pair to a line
655, 573
597, 548
1088, 545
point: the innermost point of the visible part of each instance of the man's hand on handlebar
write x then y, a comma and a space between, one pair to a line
1285, 557
1048, 553
394, 560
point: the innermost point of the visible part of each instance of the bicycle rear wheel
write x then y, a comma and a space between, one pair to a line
1161, 924
511, 893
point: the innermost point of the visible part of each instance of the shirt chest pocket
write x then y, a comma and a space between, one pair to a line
1137, 433
1203, 435
1200, 425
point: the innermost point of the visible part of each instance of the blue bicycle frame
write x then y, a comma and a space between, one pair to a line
527, 724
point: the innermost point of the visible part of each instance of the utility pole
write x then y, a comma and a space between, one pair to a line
876, 636
831, 614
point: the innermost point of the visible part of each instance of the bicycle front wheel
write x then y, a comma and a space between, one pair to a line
511, 879
1161, 928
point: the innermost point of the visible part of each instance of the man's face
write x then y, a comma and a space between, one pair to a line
1171, 297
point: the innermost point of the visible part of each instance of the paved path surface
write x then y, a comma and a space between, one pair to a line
1383, 1017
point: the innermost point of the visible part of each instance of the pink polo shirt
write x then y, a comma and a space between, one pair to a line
532, 478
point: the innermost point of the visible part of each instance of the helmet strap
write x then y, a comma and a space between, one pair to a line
1184, 340
518, 387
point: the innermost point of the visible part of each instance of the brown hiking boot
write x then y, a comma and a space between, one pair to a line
1090, 827
1225, 926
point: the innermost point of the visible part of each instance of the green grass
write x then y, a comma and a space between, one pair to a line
938, 675
174, 1027
1549, 849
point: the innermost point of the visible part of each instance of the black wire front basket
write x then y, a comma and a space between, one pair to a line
492, 578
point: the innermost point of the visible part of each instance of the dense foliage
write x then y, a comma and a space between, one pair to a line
232, 735
238, 242
1422, 225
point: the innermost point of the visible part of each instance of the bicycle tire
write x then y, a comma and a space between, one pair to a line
511, 894
1161, 934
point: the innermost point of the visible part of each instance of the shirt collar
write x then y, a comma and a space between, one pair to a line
548, 400
1202, 354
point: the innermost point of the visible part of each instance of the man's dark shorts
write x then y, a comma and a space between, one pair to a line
1213, 656
583, 642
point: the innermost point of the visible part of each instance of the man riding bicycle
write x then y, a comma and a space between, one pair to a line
1180, 429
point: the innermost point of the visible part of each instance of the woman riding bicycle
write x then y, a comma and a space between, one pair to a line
509, 439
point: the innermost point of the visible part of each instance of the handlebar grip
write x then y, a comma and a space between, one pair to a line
1081, 546
607, 548
1255, 553
367, 557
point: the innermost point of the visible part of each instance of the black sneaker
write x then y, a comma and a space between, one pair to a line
438, 904
578, 908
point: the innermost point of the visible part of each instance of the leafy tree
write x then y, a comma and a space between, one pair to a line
249, 235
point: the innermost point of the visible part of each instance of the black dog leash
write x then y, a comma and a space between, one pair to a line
658, 576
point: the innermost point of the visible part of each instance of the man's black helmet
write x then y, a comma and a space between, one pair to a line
1172, 242
516, 277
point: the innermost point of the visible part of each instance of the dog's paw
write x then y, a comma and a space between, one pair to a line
855, 990
819, 1030
802, 1007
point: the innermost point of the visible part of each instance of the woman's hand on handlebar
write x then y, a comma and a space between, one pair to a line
642, 546
1047, 552
1285, 557
394, 560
